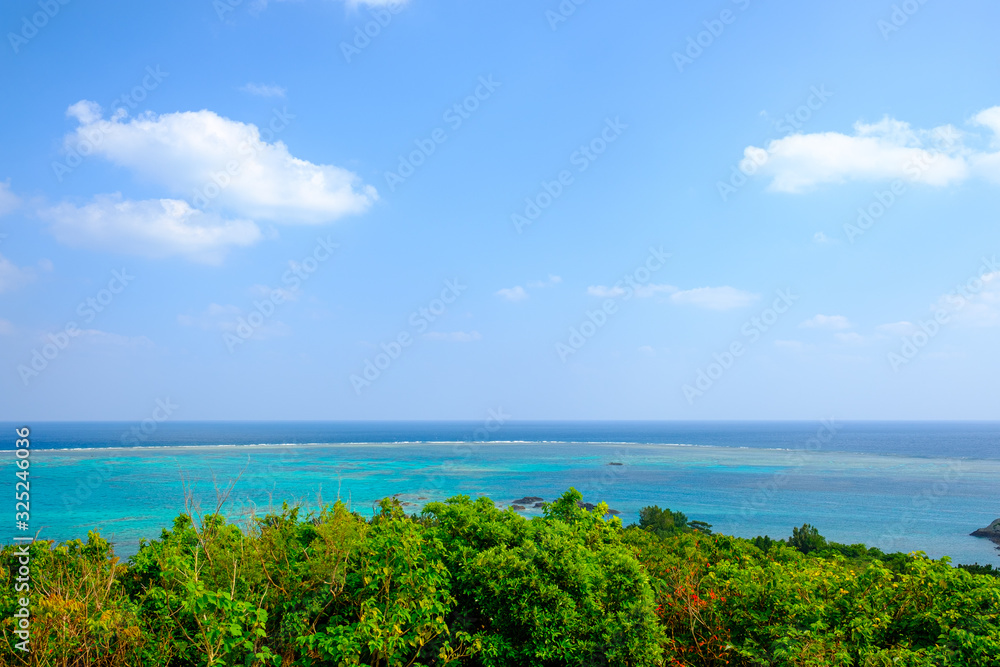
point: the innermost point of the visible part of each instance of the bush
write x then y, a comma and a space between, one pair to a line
465, 584
662, 522
806, 539
559, 590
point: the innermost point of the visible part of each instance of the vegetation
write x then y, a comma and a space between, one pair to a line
464, 583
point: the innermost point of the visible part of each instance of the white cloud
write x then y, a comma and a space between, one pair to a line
516, 293
282, 294
646, 291
12, 276
8, 200
837, 322
896, 328
974, 304
820, 237
640, 291
714, 298
260, 5
6, 328
978, 305
454, 336
98, 337
226, 319
263, 90
988, 164
990, 118
551, 282
215, 317
603, 292
376, 3
152, 228
889, 149
850, 337
189, 153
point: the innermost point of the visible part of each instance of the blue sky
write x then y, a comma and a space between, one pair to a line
735, 210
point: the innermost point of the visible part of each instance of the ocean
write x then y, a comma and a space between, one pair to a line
900, 486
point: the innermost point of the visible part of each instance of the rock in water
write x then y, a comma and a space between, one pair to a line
517, 508
527, 500
990, 532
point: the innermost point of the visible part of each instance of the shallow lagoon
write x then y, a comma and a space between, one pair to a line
890, 501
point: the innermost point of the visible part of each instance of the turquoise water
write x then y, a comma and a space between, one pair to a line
895, 501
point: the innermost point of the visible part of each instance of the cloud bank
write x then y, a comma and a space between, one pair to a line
715, 298
221, 178
8, 200
708, 298
886, 150
835, 322
263, 90
12, 276
225, 165
153, 228
261, 5
519, 293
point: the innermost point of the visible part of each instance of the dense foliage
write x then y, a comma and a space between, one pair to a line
465, 583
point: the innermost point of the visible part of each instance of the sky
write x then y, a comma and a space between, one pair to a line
431, 209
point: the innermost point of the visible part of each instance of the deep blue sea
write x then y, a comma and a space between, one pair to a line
901, 486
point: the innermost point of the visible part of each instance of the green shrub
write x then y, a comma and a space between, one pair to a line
558, 590
465, 584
